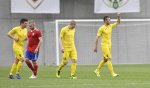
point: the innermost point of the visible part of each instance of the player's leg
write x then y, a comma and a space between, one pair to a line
110, 67
73, 68
29, 64
13, 69
19, 66
109, 63
73, 64
64, 62
102, 62
35, 69
29, 56
27, 60
35, 65
99, 67
20, 57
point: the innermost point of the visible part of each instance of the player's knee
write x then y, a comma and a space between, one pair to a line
74, 61
105, 60
34, 62
22, 60
16, 61
109, 59
65, 63
26, 60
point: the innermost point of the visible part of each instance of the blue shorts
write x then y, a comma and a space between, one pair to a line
32, 56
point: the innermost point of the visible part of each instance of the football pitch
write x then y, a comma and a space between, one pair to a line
131, 76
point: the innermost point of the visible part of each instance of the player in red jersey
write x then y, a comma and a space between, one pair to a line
34, 42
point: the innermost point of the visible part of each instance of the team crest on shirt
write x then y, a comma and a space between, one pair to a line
115, 3
34, 3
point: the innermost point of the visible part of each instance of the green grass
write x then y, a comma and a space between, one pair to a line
131, 76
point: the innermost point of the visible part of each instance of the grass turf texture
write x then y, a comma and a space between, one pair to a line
131, 76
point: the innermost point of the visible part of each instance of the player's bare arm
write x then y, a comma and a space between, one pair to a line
118, 18
61, 46
39, 44
96, 43
12, 37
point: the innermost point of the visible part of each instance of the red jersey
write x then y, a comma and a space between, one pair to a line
33, 39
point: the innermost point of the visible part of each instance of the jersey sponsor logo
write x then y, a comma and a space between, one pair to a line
115, 3
34, 3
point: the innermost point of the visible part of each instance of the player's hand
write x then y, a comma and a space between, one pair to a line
16, 39
95, 50
36, 50
62, 50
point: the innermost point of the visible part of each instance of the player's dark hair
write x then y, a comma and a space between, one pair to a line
105, 17
23, 20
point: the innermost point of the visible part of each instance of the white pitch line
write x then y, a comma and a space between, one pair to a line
45, 85
87, 84
138, 83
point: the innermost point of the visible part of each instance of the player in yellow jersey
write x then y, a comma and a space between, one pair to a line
68, 48
19, 35
105, 32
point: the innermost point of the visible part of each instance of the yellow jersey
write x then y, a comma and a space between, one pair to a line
105, 33
67, 36
21, 34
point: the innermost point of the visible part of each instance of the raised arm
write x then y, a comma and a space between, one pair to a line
118, 18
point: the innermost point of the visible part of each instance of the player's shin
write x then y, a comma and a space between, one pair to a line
35, 68
13, 69
101, 64
110, 67
73, 69
60, 66
19, 67
29, 65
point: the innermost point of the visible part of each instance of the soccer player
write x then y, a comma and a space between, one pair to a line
105, 32
68, 48
34, 42
18, 34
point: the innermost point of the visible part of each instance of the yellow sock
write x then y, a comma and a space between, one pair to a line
101, 64
19, 67
73, 68
110, 67
13, 69
61, 66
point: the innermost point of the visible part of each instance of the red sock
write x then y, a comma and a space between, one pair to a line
30, 65
35, 68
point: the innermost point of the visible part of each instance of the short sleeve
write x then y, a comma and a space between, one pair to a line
99, 33
39, 34
62, 32
114, 24
12, 31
